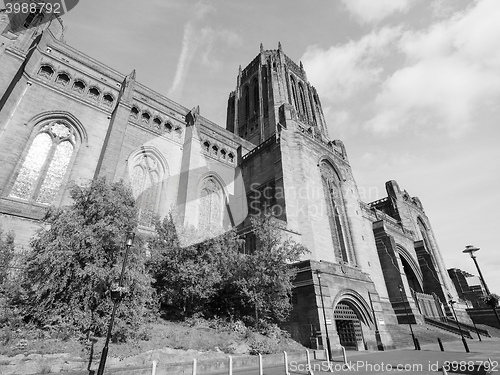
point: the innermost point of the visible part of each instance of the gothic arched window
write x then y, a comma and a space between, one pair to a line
211, 204
255, 88
146, 176
45, 165
335, 212
294, 94
303, 105
246, 98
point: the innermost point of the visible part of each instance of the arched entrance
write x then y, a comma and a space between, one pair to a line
411, 270
348, 326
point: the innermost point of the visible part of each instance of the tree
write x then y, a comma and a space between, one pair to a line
188, 277
215, 278
77, 258
6, 255
265, 278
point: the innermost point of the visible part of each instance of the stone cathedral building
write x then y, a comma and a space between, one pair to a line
66, 118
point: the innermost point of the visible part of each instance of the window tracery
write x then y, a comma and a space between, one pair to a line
79, 86
210, 204
146, 178
46, 71
45, 165
335, 212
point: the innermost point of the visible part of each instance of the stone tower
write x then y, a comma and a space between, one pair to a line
304, 179
269, 81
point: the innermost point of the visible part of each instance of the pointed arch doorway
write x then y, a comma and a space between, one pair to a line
348, 326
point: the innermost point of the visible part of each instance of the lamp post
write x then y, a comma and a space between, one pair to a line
380, 345
116, 297
415, 340
451, 302
318, 273
471, 250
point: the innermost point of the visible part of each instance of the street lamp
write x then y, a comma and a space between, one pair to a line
415, 340
451, 302
380, 345
116, 296
471, 250
318, 273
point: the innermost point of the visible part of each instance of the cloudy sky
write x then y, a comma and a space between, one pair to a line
412, 87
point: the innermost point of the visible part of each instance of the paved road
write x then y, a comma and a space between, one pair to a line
429, 360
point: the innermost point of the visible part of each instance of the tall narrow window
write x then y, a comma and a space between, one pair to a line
335, 211
45, 165
256, 103
294, 94
303, 105
210, 204
146, 177
246, 98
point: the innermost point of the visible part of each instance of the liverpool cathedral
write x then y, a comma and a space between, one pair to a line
66, 119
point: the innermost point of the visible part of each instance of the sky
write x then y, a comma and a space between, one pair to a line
412, 87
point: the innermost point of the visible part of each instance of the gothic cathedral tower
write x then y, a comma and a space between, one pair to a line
304, 179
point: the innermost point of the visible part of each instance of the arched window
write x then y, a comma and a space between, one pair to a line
206, 146
62, 79
246, 98
108, 100
303, 105
294, 93
79, 86
335, 212
168, 127
210, 204
157, 123
146, 176
255, 88
145, 117
46, 71
94, 93
46, 164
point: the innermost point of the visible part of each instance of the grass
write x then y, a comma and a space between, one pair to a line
197, 337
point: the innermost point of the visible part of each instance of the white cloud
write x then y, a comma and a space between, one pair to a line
196, 38
451, 74
373, 11
344, 70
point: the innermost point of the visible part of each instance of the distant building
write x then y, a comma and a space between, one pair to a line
65, 117
468, 286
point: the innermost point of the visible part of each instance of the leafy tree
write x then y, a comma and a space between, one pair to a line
187, 278
214, 278
6, 255
265, 277
77, 258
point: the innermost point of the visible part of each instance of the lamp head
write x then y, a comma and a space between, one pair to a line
471, 250
318, 273
130, 238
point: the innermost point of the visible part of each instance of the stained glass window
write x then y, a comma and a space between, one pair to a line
145, 186
55, 173
210, 204
45, 165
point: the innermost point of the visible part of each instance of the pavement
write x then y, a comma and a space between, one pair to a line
482, 357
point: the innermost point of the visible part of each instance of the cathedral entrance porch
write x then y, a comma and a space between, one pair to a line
340, 304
